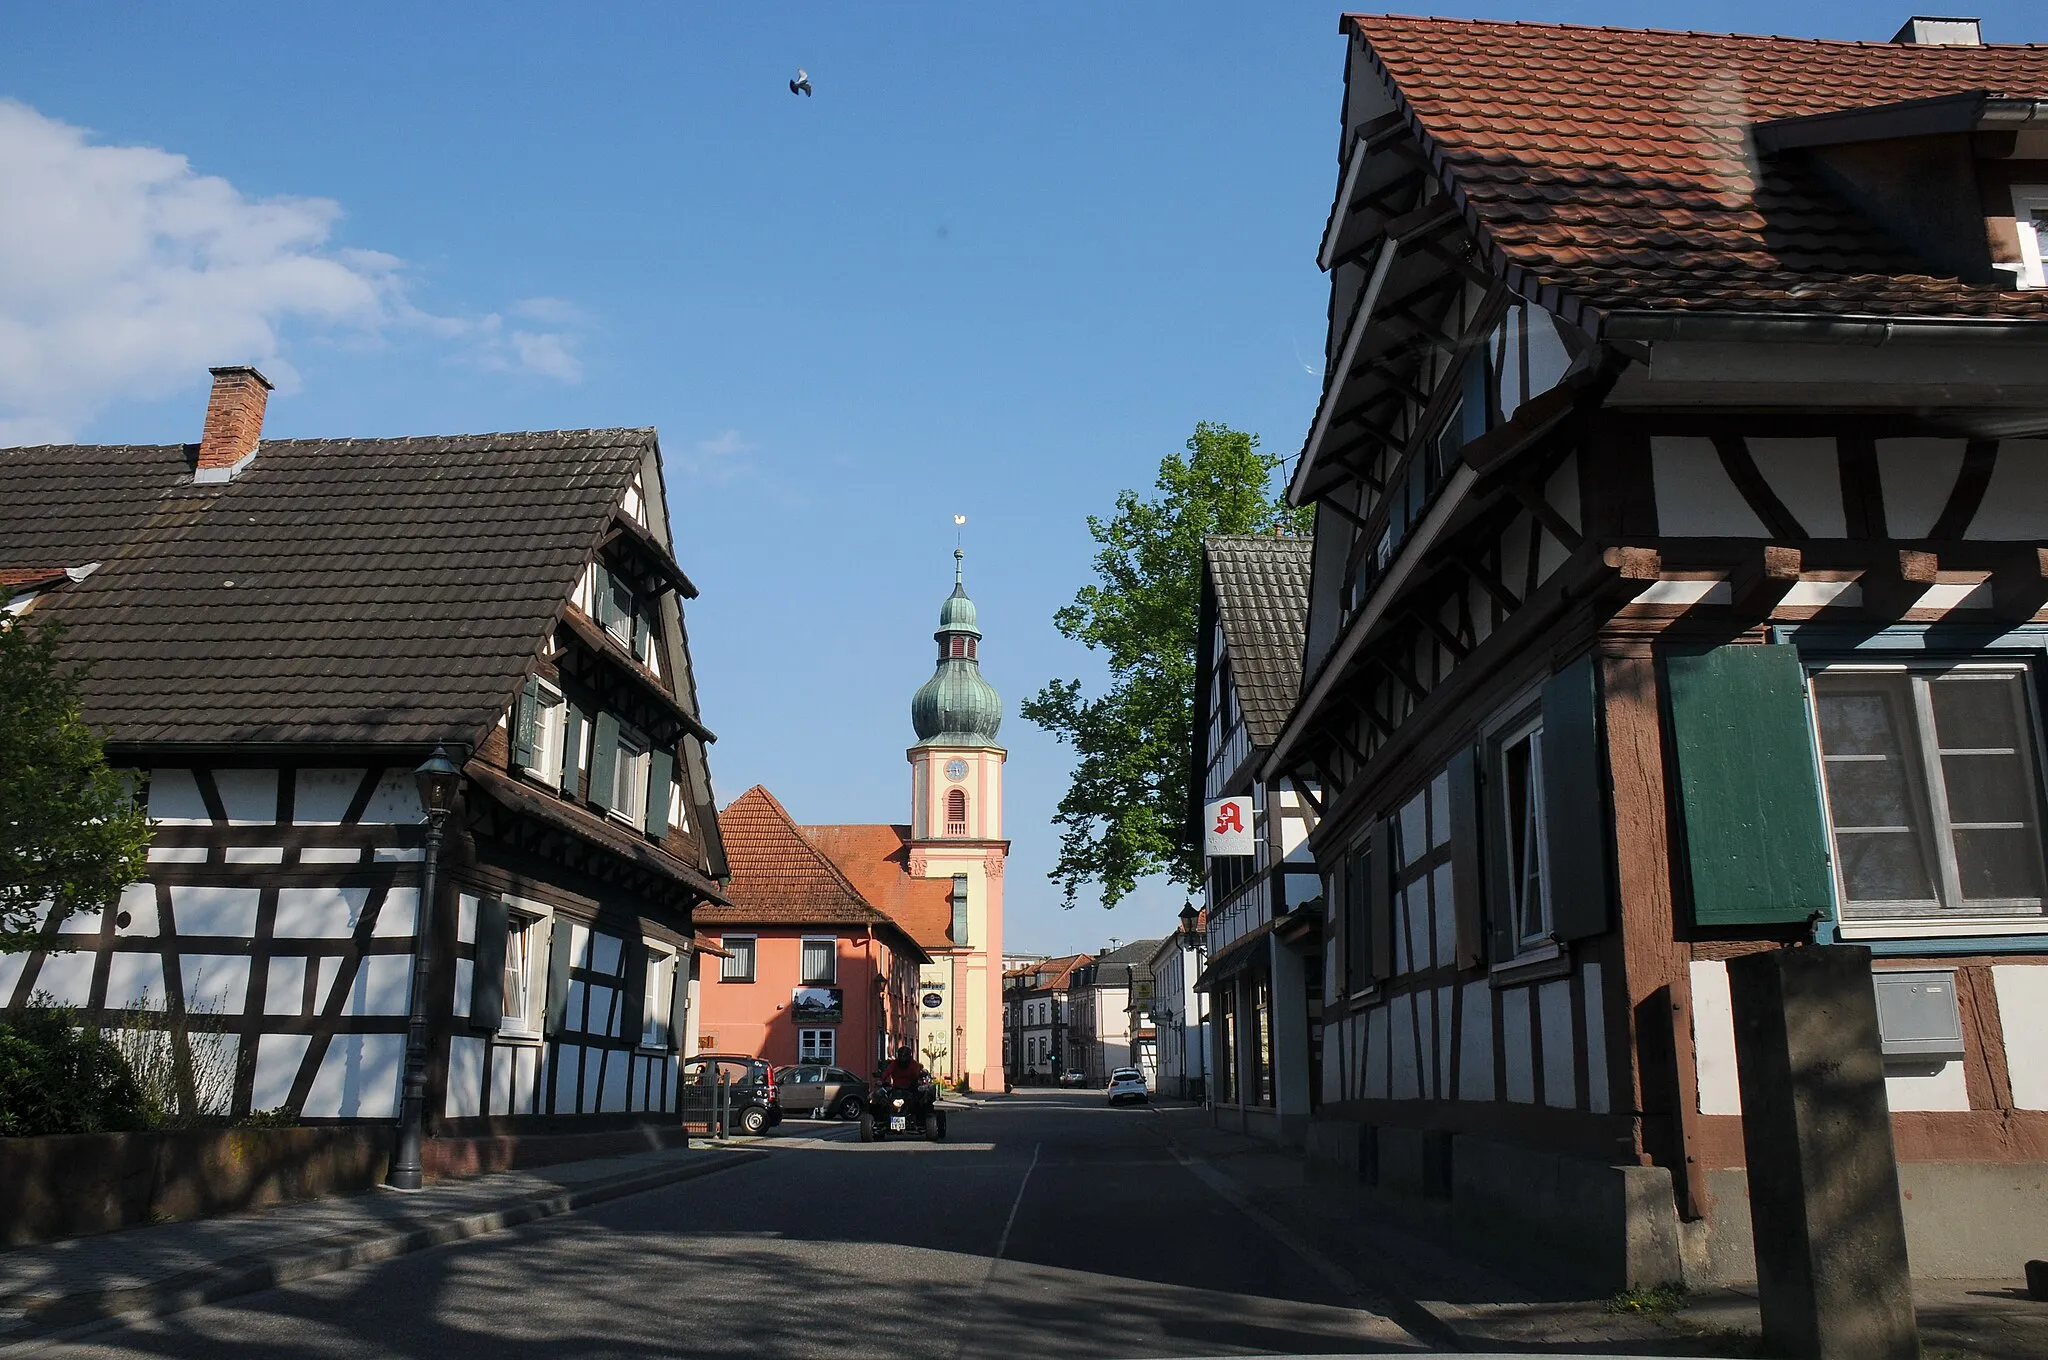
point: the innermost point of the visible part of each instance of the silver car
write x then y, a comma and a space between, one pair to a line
821, 1092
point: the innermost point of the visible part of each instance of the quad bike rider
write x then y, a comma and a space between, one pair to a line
903, 1099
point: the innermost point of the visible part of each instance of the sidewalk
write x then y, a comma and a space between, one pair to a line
57, 1289
1452, 1298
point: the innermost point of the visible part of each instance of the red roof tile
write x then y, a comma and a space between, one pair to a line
1615, 164
877, 860
780, 878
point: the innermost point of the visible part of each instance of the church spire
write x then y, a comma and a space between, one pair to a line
957, 707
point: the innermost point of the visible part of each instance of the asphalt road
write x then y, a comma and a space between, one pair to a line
1047, 1225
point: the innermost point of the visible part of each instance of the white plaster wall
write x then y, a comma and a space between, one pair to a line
321, 797
1377, 1027
2013, 502
1596, 1039
2022, 991
1554, 1011
1694, 495
1917, 476
1517, 1049
465, 1077
278, 1057
465, 979
138, 904
1713, 1038
66, 977
204, 909
174, 799
249, 797
284, 990
1943, 1088
502, 1063
1806, 474
358, 1078
1475, 1042
215, 984
135, 981
319, 913
568, 1067
396, 801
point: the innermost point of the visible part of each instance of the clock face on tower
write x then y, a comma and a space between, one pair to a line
956, 770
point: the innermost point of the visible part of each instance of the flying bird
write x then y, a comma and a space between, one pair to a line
801, 85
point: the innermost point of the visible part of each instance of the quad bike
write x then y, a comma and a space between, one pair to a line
902, 1113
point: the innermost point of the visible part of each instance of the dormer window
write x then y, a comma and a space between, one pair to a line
2030, 215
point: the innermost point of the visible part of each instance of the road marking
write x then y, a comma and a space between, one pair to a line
1003, 1242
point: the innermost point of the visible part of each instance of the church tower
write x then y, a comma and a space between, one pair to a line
956, 834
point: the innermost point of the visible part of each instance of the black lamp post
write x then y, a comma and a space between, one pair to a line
439, 779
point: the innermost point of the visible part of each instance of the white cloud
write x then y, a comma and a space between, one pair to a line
124, 273
720, 458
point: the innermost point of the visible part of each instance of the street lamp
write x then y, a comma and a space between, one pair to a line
1188, 917
439, 779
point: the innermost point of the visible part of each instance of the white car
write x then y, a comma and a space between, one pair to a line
1127, 1083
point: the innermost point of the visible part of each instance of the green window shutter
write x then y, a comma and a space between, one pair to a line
525, 715
487, 979
1755, 841
1575, 802
604, 760
633, 1016
1468, 885
1379, 899
558, 978
601, 595
572, 747
640, 631
661, 766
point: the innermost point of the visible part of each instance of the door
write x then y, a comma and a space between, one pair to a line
839, 1084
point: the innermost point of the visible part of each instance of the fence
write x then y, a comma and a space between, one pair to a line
707, 1106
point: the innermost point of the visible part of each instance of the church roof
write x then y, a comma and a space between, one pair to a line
876, 860
779, 877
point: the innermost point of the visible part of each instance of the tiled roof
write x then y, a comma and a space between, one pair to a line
1613, 165
1116, 967
777, 875
380, 591
1059, 971
876, 860
1261, 586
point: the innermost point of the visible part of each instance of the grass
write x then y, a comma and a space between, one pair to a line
1659, 1299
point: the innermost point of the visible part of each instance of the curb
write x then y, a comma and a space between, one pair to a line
78, 1316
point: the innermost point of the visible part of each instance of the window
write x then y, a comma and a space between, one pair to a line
1524, 876
661, 981
960, 647
521, 935
1358, 917
1932, 783
538, 727
738, 965
629, 786
815, 1045
956, 813
618, 609
820, 961
959, 902
2030, 214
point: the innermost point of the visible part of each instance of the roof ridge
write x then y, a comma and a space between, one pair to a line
809, 847
1883, 43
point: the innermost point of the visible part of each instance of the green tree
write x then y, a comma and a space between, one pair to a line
71, 835
1124, 815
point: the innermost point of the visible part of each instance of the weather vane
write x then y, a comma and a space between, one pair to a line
958, 532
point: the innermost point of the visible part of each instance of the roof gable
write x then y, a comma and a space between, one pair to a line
778, 876
1261, 592
368, 591
1614, 169
876, 860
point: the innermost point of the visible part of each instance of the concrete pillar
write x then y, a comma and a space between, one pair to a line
1832, 1278
1290, 1042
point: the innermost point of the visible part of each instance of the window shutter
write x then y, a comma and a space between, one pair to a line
1380, 900
572, 748
1468, 884
1754, 837
678, 1001
487, 980
633, 1022
640, 632
661, 767
604, 760
525, 715
558, 978
1575, 803
601, 595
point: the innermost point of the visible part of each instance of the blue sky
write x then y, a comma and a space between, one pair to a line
998, 266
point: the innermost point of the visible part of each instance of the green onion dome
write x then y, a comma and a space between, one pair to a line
957, 707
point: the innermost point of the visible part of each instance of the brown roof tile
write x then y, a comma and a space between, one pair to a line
877, 860
1615, 164
1261, 586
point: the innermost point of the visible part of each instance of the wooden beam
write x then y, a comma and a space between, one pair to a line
1490, 583
2019, 586
1452, 643
1761, 581
1305, 793
1546, 514
1896, 581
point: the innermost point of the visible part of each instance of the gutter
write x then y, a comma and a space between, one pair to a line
1843, 330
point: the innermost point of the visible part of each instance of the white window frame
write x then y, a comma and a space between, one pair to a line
550, 732
629, 780
623, 607
1941, 921
831, 943
1542, 936
731, 944
528, 931
819, 1046
2027, 200
655, 1019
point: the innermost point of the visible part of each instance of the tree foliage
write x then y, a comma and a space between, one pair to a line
71, 835
1124, 815
58, 1078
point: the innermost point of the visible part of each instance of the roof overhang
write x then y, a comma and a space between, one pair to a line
1940, 115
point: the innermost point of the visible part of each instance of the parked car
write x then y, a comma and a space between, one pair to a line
820, 1091
1127, 1083
1073, 1078
756, 1103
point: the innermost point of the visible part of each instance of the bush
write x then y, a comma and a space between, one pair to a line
58, 1078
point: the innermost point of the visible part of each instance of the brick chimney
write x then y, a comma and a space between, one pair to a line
234, 423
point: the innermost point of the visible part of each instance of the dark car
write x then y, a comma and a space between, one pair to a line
756, 1103
822, 1092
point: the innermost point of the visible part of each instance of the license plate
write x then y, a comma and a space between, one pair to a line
897, 1123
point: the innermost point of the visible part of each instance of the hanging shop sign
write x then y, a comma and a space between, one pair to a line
1228, 827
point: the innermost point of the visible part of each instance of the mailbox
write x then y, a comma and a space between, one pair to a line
1918, 1016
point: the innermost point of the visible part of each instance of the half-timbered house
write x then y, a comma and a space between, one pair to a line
278, 633
1679, 559
1264, 909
